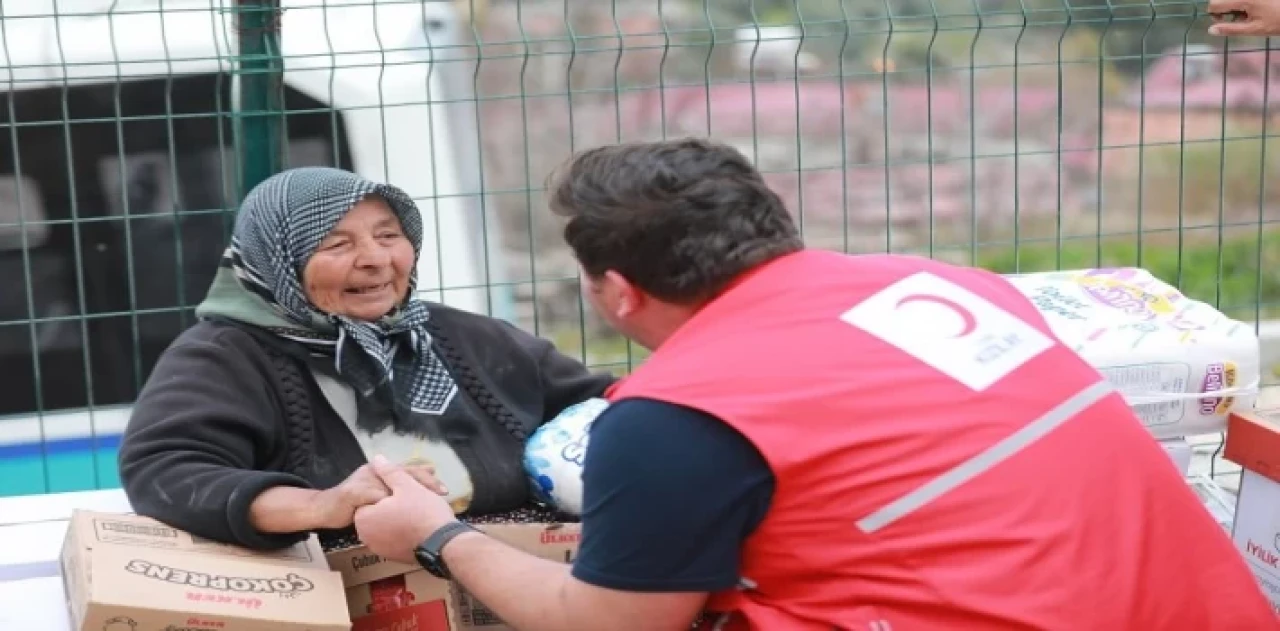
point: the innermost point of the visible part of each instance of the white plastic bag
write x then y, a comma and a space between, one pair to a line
554, 455
1179, 362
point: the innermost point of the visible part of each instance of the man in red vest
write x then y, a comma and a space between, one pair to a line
823, 441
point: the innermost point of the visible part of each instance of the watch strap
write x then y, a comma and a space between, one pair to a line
431, 558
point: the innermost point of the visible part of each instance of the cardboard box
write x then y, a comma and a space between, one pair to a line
384, 595
1218, 501
416, 600
554, 542
89, 529
134, 573
1253, 442
358, 566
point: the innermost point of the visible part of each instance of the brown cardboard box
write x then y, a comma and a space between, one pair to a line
417, 601
89, 529
130, 572
555, 542
358, 566
385, 596
1253, 442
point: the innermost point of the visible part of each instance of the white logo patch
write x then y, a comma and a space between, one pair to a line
950, 328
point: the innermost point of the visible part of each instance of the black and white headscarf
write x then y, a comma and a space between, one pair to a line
281, 222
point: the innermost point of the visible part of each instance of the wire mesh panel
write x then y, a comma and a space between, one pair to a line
1017, 135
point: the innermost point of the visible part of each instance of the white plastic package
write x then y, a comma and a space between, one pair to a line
1180, 452
1218, 501
1179, 362
554, 455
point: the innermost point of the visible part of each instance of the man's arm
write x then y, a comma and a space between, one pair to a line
533, 594
670, 494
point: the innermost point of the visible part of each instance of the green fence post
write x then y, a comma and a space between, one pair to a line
260, 103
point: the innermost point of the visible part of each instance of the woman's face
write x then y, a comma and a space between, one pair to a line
361, 269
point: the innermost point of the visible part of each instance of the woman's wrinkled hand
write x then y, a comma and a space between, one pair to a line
425, 474
335, 508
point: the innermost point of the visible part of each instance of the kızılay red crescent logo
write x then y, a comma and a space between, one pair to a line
970, 323
287, 585
983, 343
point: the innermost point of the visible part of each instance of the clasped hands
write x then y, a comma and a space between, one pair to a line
394, 508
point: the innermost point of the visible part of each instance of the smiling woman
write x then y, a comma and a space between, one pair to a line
312, 355
361, 269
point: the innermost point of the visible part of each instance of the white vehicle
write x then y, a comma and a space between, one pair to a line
117, 129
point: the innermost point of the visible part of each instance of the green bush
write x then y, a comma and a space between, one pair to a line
1239, 275
1212, 174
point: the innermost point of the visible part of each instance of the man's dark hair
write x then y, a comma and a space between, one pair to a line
681, 219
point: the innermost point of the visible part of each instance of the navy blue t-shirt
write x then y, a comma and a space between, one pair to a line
669, 495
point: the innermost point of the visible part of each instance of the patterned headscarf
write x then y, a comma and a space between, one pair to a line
280, 224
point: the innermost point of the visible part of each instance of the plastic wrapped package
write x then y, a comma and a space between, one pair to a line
1179, 362
1179, 451
1218, 501
554, 455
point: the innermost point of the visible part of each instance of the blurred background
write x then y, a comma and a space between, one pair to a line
1017, 135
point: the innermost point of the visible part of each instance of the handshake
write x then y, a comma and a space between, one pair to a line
393, 507
335, 508
1248, 18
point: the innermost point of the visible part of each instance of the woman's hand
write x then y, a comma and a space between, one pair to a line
405, 519
336, 507
287, 509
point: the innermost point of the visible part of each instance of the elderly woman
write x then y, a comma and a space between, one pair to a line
312, 355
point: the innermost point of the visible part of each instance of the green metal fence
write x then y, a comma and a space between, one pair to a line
1019, 135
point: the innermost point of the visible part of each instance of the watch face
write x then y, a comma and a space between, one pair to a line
428, 561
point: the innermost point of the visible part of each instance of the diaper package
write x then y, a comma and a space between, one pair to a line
1179, 362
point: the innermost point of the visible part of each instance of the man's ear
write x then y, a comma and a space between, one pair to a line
627, 298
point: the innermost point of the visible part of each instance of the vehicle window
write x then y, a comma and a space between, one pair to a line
119, 243
21, 211
140, 184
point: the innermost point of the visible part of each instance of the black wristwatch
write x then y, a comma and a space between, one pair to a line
428, 552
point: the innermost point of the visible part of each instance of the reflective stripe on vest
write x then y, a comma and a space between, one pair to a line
992, 456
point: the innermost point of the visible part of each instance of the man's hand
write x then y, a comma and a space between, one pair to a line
335, 508
397, 523
1257, 18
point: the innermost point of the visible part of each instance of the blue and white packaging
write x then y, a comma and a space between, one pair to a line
555, 453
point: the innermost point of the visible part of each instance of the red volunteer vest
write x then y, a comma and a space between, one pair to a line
941, 462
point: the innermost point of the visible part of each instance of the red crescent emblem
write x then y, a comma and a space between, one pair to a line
970, 323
